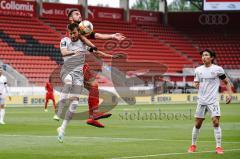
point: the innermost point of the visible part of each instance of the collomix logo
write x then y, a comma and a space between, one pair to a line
13, 5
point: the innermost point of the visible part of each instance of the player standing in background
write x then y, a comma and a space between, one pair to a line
49, 95
207, 81
90, 83
3, 92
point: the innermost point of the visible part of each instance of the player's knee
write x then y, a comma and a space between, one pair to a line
66, 88
73, 106
63, 95
215, 122
198, 123
94, 84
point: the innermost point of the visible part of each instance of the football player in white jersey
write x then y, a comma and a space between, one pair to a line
207, 81
73, 51
3, 92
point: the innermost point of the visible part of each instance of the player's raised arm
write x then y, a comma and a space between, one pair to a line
116, 36
102, 54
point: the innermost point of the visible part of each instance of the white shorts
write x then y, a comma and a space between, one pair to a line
75, 76
76, 85
2, 100
213, 109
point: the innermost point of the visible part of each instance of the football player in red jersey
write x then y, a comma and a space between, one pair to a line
49, 95
90, 83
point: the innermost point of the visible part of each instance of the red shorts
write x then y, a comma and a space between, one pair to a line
49, 96
89, 75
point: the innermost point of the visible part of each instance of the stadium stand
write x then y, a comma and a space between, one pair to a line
28, 45
31, 45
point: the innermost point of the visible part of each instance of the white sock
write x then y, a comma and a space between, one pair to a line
2, 114
69, 114
64, 125
195, 133
218, 136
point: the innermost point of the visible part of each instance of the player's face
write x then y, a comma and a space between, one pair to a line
206, 58
74, 34
76, 17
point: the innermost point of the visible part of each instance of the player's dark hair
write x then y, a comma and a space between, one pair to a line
211, 53
71, 11
72, 26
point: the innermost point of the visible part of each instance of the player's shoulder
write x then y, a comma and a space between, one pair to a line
216, 66
219, 70
199, 68
65, 39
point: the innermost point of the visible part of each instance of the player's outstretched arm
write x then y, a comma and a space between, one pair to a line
116, 36
88, 42
229, 89
101, 54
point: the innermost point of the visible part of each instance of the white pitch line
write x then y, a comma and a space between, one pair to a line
169, 154
112, 138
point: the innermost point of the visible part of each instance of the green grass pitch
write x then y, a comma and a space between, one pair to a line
30, 133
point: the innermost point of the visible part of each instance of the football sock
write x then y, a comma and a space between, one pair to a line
195, 133
2, 114
218, 136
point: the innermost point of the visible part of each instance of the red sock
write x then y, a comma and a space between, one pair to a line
54, 104
46, 103
93, 99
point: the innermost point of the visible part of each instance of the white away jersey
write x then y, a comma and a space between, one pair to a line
73, 64
72, 46
3, 81
209, 82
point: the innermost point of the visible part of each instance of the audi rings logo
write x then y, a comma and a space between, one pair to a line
213, 19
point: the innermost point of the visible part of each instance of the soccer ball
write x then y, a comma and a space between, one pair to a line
86, 27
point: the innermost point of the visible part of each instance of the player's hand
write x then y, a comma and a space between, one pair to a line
118, 56
228, 99
10, 98
196, 85
118, 36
